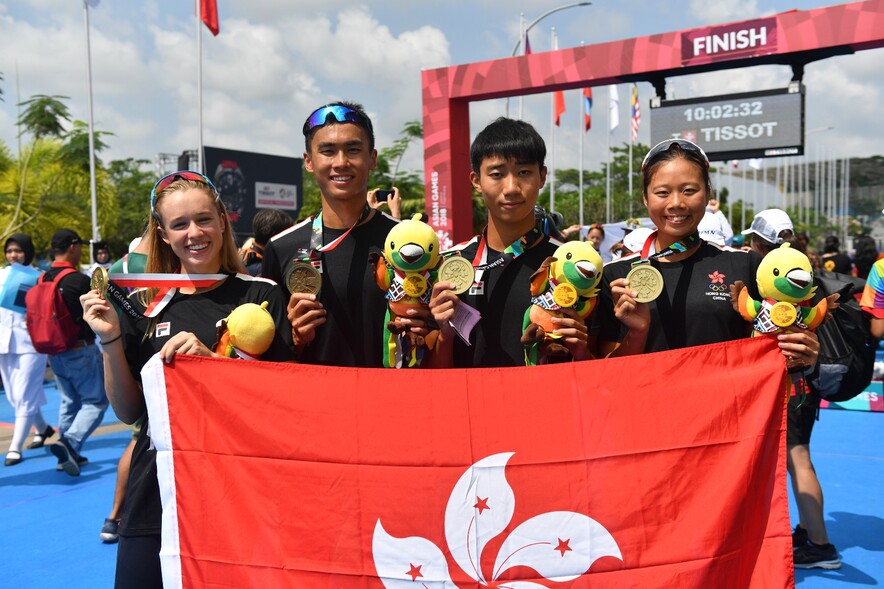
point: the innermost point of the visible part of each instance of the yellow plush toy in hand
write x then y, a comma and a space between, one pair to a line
785, 280
246, 333
568, 280
406, 271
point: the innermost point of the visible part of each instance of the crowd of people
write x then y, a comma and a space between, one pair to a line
189, 239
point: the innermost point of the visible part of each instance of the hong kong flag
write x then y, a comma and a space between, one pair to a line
662, 470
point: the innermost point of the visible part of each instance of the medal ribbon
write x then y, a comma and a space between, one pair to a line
480, 261
168, 285
316, 246
676, 248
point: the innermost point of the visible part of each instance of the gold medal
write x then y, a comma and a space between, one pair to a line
414, 285
647, 280
783, 314
100, 281
565, 295
457, 270
303, 278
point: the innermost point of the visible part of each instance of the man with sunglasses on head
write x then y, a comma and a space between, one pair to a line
342, 323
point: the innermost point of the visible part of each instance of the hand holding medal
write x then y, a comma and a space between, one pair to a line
100, 281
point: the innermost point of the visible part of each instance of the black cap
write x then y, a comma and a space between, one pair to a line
64, 238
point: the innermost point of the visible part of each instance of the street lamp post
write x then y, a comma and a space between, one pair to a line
524, 33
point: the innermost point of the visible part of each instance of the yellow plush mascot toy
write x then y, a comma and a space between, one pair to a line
568, 280
246, 333
406, 271
785, 281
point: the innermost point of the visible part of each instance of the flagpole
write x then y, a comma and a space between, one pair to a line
743, 202
96, 235
608, 167
199, 83
581, 125
524, 47
552, 158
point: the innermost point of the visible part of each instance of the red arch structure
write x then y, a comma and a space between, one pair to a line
792, 38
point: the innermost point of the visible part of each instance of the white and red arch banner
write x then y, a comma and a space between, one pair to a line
663, 470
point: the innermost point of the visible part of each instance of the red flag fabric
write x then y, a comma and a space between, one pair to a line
558, 106
209, 15
662, 470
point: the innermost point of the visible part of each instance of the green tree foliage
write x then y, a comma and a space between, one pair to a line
75, 151
133, 186
44, 116
40, 190
623, 204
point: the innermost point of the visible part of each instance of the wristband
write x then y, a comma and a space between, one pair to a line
110, 341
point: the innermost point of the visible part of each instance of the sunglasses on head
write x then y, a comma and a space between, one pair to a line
666, 144
340, 113
169, 179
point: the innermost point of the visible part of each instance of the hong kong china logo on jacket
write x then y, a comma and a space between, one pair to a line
558, 545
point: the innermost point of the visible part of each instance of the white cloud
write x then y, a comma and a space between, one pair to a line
722, 12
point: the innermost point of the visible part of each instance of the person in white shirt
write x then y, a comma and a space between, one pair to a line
21, 366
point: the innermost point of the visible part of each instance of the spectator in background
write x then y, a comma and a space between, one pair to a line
810, 539
713, 226
392, 200
865, 255
21, 366
833, 260
596, 235
100, 257
266, 224
79, 371
872, 301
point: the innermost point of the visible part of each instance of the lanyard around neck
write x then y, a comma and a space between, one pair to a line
316, 246
678, 247
511, 252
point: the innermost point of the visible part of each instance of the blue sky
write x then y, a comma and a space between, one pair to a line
276, 60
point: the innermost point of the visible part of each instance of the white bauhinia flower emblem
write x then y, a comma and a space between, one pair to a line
558, 545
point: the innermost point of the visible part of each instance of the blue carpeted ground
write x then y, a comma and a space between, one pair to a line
51, 522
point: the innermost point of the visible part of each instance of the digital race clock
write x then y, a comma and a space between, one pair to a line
738, 126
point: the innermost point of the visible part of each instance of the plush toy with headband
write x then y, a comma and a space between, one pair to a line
406, 271
567, 280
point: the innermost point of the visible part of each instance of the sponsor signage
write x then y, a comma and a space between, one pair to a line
736, 126
250, 181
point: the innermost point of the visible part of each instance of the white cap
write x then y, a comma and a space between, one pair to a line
635, 239
768, 223
710, 228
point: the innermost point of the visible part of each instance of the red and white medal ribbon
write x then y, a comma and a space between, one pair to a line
168, 285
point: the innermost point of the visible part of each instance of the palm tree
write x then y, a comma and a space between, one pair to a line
47, 186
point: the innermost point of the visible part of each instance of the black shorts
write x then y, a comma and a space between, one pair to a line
138, 563
802, 412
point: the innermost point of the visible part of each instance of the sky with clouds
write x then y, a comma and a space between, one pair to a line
276, 60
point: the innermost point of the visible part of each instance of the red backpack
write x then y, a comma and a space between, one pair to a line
50, 324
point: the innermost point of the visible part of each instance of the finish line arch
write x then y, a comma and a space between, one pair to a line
792, 38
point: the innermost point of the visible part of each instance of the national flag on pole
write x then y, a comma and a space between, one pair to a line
558, 106
527, 45
636, 113
585, 471
209, 14
93, 3
587, 109
614, 106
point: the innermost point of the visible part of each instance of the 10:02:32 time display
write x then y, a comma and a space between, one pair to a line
724, 111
